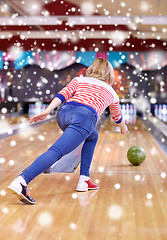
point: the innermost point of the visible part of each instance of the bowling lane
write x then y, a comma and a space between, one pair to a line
130, 204
18, 123
135, 210
12, 119
27, 145
112, 149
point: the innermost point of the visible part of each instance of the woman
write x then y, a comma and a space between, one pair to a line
85, 99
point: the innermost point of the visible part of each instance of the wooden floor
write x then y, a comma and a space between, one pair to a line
131, 203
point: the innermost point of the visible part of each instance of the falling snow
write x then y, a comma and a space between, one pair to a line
2, 160
115, 38
72, 225
149, 196
45, 219
117, 186
101, 169
13, 143
115, 212
11, 162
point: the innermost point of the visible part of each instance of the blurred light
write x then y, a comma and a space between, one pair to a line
153, 28
115, 212
163, 175
123, 4
13, 143
73, 226
67, 178
45, 219
97, 181
74, 195
4, 110
2, 192
108, 149
121, 143
4, 8
2, 160
5, 210
33, 7
137, 177
118, 37
11, 162
15, 52
87, 8
42, 138
101, 169
117, 186
153, 100
144, 6
149, 196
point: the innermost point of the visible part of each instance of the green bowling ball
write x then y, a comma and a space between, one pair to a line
136, 155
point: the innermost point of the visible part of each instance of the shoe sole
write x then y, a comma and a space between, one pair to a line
20, 196
85, 190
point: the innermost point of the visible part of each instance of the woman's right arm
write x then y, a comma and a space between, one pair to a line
54, 104
116, 114
123, 127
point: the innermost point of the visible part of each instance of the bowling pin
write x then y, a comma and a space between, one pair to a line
127, 114
160, 112
135, 115
123, 109
164, 113
156, 110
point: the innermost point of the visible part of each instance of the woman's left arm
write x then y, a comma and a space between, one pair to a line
54, 104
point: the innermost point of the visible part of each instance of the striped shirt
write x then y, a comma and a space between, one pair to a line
93, 93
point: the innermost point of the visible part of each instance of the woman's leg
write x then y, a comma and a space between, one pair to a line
85, 182
87, 153
70, 139
72, 119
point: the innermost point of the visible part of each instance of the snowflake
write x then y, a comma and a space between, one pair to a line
11, 162
101, 169
45, 219
108, 149
74, 195
2, 160
4, 110
153, 151
42, 138
5, 210
144, 6
137, 177
115, 212
87, 8
163, 175
13, 143
2, 192
73, 226
97, 181
121, 143
149, 196
117, 186
67, 178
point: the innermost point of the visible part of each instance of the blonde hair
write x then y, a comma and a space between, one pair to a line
101, 69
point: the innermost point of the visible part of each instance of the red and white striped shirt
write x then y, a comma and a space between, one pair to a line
94, 93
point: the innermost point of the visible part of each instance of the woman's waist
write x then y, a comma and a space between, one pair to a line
74, 103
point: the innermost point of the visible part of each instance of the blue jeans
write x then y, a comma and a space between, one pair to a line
78, 123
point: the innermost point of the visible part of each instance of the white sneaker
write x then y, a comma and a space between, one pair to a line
22, 192
84, 186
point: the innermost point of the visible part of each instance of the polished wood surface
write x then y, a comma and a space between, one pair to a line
131, 203
12, 119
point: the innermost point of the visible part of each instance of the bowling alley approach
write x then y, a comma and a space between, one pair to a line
83, 120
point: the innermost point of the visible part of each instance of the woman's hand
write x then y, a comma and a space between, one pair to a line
123, 127
39, 117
